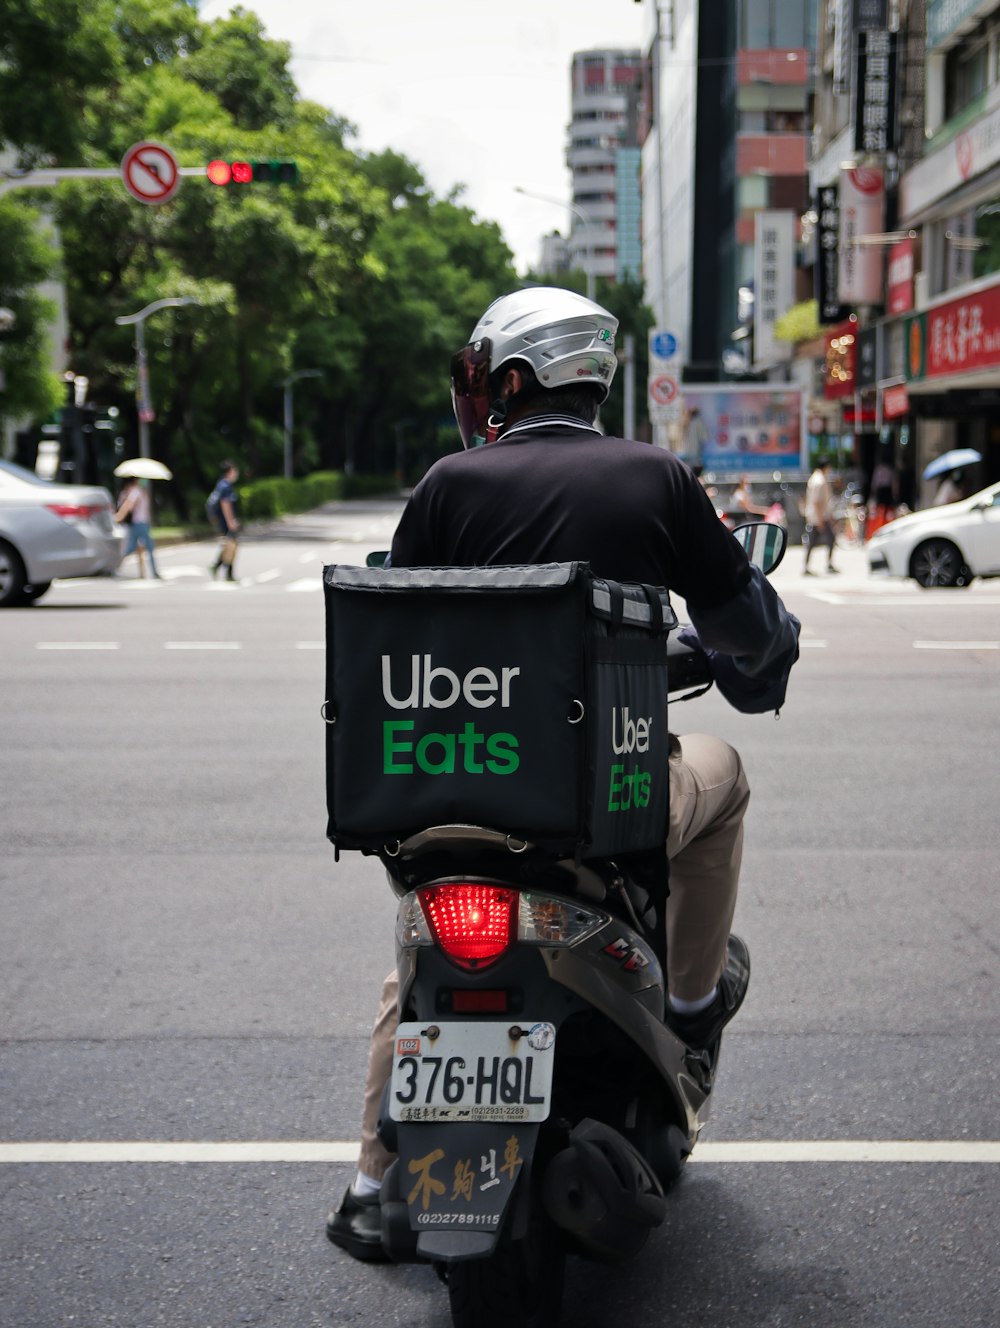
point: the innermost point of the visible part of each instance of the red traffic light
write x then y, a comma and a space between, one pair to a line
270, 171
219, 172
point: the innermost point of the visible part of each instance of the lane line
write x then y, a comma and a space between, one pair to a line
202, 645
77, 645
271, 575
307, 583
308, 557
877, 1151
956, 645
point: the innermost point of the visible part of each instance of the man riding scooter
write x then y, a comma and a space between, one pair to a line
550, 487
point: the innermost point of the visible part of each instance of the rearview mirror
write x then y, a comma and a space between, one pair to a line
377, 559
763, 543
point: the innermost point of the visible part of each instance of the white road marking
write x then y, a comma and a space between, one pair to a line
307, 583
309, 558
221, 585
77, 645
270, 575
185, 569
878, 1151
933, 599
202, 645
956, 645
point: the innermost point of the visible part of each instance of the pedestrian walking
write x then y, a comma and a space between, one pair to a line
134, 511
819, 516
222, 510
742, 500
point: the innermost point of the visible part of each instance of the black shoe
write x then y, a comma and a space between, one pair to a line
699, 1031
807, 572
356, 1227
833, 571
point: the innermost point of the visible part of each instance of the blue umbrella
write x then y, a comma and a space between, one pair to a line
955, 460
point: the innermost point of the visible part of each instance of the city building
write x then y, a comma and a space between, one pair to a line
727, 142
908, 103
603, 158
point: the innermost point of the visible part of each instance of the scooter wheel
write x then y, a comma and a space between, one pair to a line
521, 1283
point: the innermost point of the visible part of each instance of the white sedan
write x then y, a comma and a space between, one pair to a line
942, 546
49, 530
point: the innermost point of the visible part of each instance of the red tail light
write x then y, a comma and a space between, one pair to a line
473, 924
76, 511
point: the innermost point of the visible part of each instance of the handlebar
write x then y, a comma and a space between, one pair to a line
687, 666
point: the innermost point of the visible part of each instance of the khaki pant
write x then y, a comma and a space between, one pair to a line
708, 798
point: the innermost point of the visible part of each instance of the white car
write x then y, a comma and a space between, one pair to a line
49, 530
942, 546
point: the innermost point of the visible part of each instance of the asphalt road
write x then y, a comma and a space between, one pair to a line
182, 961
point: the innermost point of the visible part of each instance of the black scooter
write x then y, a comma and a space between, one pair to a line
539, 1105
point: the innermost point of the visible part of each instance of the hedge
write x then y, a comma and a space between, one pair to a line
274, 497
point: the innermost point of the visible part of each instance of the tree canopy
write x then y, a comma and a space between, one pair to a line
358, 272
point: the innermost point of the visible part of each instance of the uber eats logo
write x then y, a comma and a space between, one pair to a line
422, 686
629, 788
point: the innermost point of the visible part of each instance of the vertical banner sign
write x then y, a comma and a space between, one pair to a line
862, 201
875, 93
842, 35
899, 298
827, 266
774, 282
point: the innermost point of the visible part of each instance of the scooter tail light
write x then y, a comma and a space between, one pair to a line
471, 922
546, 920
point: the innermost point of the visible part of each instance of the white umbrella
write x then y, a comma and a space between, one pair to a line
143, 468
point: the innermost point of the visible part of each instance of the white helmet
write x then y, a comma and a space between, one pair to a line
563, 337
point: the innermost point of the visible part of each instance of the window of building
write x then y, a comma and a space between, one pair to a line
775, 24
968, 69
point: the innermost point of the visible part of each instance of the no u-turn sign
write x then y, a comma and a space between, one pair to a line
149, 172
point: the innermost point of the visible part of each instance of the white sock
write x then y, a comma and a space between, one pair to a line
680, 1006
363, 1187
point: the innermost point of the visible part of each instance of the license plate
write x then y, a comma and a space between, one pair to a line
472, 1072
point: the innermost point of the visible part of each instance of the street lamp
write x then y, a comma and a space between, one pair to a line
578, 212
289, 381
145, 408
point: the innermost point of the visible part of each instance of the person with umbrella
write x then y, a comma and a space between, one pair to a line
951, 467
134, 512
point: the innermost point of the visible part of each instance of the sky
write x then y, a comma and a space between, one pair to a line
473, 93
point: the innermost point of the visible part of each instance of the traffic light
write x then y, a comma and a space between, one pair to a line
272, 170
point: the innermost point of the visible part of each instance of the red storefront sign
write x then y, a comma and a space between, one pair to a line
964, 335
900, 278
841, 360
895, 402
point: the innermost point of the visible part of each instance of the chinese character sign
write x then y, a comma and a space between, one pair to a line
827, 266
774, 282
862, 200
963, 335
875, 93
749, 428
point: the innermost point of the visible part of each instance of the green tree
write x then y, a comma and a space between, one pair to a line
27, 258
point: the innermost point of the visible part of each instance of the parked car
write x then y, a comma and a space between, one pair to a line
49, 530
942, 546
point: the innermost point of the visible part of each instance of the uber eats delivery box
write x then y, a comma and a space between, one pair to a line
532, 700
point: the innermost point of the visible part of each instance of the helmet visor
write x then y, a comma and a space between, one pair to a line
470, 390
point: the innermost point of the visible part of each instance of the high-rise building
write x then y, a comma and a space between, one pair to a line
728, 142
603, 157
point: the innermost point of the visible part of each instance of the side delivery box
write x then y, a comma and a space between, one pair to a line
532, 700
